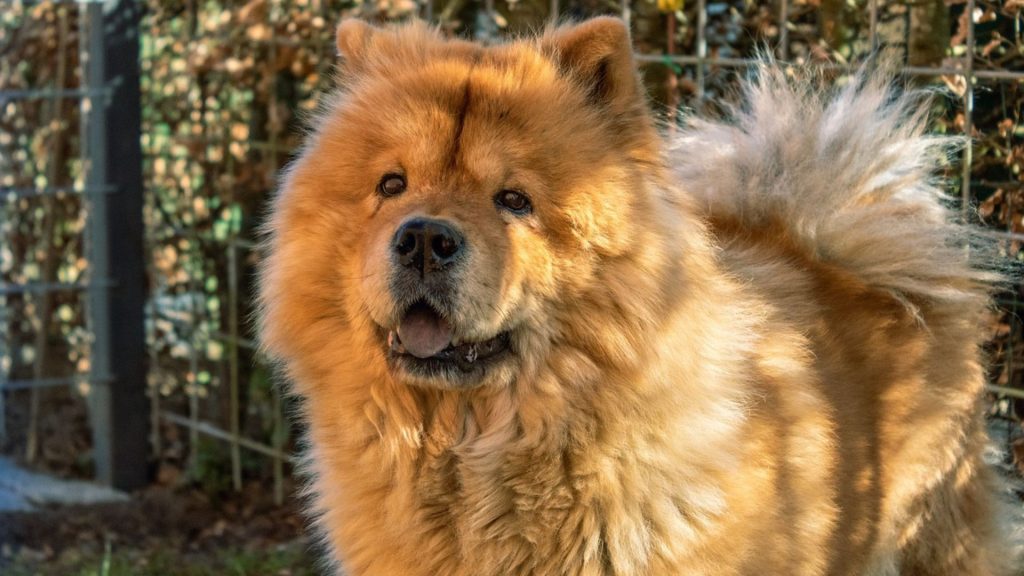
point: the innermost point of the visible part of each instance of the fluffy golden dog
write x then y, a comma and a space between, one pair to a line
535, 337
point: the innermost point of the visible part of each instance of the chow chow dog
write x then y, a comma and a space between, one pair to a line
534, 336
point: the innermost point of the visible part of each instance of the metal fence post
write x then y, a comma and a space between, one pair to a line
969, 78
118, 400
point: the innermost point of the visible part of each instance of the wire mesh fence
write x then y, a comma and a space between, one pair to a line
71, 297
225, 89
27, 294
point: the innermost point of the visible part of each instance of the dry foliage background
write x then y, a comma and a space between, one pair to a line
226, 88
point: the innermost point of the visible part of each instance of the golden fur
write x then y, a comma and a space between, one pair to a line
751, 350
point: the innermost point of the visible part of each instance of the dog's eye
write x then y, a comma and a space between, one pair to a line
391, 185
513, 201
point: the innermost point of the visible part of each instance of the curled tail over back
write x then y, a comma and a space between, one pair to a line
850, 172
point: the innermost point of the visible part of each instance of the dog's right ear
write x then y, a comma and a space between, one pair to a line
353, 39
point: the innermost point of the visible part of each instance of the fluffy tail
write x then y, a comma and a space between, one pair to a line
850, 171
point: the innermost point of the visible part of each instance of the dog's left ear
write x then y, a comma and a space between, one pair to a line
598, 55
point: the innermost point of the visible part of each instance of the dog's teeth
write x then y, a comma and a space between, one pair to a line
471, 354
395, 343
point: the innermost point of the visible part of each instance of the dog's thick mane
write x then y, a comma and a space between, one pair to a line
717, 362
849, 172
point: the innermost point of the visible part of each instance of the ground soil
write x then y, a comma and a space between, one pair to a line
159, 531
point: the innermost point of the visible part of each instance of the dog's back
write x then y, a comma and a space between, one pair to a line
872, 298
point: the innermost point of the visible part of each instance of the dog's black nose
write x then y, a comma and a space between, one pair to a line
427, 245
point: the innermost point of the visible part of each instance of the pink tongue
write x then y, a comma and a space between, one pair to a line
424, 333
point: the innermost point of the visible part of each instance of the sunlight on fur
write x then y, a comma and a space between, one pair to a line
534, 337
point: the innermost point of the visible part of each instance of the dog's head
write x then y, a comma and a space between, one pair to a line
456, 200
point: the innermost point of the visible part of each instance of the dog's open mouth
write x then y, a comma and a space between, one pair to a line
425, 341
